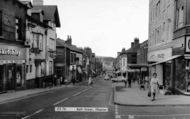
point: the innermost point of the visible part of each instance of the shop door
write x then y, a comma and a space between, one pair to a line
19, 78
10, 77
1, 78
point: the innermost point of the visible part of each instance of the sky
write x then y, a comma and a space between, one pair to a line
106, 26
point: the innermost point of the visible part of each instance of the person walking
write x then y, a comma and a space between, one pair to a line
154, 85
90, 82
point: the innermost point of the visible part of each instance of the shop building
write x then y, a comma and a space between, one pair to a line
181, 46
12, 50
161, 25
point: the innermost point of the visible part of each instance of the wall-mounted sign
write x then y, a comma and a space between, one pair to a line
9, 52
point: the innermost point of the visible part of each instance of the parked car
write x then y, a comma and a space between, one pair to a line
118, 79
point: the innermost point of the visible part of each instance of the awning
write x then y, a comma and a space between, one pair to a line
167, 59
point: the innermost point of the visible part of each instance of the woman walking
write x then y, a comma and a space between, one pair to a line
154, 85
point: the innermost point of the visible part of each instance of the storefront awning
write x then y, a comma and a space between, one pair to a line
166, 60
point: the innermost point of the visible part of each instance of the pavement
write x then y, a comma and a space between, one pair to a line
136, 97
15, 95
18, 95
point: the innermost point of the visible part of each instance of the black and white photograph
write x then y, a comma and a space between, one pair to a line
94, 59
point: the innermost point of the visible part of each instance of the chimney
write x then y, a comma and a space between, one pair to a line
132, 44
69, 40
123, 50
38, 2
136, 41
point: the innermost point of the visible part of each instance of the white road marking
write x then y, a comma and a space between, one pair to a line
77, 94
26, 117
63, 100
117, 116
85, 90
110, 99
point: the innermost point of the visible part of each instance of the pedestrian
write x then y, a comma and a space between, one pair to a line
90, 82
154, 85
146, 81
125, 79
142, 83
73, 79
54, 80
129, 82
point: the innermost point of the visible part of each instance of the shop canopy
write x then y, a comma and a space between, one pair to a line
166, 60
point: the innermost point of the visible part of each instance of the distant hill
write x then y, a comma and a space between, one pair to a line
107, 62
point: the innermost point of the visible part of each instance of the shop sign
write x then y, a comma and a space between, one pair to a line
159, 55
9, 52
187, 44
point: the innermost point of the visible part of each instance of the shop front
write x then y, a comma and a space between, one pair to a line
12, 68
182, 64
161, 66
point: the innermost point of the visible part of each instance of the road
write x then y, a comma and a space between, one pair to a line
99, 95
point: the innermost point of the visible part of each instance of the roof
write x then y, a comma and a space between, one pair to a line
133, 49
26, 3
61, 43
50, 13
20, 3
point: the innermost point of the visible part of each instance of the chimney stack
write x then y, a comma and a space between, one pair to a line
123, 50
38, 2
69, 40
132, 44
136, 41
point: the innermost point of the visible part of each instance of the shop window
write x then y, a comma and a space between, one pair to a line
180, 81
18, 29
1, 24
19, 80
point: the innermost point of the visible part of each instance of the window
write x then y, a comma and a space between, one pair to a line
179, 15
158, 8
18, 29
26, 68
1, 23
38, 41
30, 68
50, 67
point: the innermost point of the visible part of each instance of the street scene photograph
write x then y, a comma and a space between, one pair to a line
94, 59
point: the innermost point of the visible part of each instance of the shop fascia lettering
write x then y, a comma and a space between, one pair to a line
4, 51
